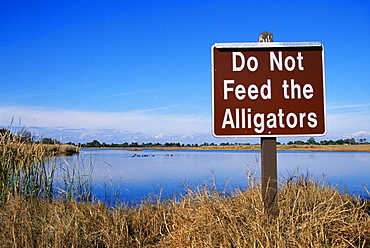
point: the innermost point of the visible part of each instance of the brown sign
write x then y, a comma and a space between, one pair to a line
268, 89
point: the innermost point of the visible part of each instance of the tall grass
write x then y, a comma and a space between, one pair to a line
22, 168
73, 181
311, 213
29, 169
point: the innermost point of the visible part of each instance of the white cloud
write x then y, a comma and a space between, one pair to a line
349, 122
144, 121
157, 125
347, 106
361, 133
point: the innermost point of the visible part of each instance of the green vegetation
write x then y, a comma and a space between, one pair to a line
96, 143
310, 141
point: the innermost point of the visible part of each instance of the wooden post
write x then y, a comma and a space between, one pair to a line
269, 174
269, 160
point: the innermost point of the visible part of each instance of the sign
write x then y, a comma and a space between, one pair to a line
268, 89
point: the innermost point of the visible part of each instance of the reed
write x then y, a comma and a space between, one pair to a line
22, 168
72, 181
30, 170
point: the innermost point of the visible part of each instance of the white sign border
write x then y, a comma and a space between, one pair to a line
251, 45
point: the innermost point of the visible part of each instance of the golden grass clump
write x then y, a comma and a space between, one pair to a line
60, 149
310, 215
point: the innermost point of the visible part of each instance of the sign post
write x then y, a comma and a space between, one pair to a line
269, 174
268, 90
269, 160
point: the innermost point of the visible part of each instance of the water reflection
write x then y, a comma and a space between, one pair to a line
134, 174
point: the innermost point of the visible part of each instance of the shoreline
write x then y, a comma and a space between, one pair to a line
318, 148
61, 149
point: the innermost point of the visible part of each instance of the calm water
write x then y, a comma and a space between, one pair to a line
135, 174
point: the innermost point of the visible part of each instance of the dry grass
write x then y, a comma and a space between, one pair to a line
310, 215
329, 148
60, 149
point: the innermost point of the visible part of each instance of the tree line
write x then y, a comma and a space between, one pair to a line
96, 143
310, 141
27, 136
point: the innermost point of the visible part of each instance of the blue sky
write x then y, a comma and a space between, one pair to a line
140, 71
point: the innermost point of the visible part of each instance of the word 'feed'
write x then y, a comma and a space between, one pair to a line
268, 91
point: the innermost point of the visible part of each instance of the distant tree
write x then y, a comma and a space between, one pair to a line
339, 142
48, 141
362, 141
134, 144
311, 141
94, 143
299, 142
350, 141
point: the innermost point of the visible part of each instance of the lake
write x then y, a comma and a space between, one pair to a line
131, 175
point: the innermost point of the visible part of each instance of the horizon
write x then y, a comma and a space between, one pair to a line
141, 72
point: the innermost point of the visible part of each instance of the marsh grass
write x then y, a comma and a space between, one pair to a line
311, 213
22, 168
31, 170
73, 181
